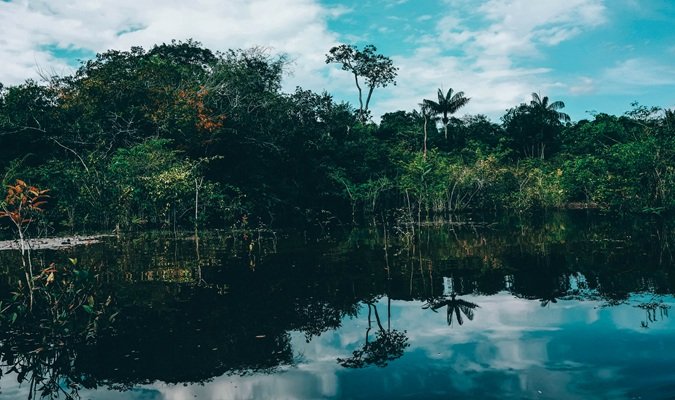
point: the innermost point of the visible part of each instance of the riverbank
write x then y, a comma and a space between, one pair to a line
55, 243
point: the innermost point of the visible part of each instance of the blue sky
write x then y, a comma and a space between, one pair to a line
595, 55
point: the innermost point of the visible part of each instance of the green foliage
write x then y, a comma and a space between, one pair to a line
150, 180
585, 179
629, 165
64, 308
374, 69
178, 135
539, 186
67, 298
441, 184
424, 179
535, 128
587, 137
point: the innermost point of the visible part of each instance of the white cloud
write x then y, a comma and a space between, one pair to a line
640, 72
486, 60
491, 90
525, 17
296, 27
519, 27
584, 85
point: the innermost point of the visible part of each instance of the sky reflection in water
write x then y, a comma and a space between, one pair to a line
562, 326
514, 348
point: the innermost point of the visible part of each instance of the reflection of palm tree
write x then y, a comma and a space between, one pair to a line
651, 308
388, 345
456, 307
550, 298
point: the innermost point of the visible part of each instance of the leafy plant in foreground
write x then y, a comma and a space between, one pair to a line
50, 313
20, 206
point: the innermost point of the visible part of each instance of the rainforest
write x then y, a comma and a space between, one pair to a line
179, 136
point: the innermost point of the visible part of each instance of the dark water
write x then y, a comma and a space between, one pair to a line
564, 306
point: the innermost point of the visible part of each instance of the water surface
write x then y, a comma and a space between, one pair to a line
560, 306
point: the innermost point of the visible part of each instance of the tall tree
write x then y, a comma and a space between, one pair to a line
546, 117
447, 104
535, 127
428, 114
375, 69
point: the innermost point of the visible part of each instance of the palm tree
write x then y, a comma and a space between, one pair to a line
542, 104
547, 114
447, 104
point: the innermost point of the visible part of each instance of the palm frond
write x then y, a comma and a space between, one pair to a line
556, 105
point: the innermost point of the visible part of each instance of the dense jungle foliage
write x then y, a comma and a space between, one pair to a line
179, 136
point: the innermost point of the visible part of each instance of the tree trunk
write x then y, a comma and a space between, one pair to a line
27, 267
425, 137
361, 111
198, 185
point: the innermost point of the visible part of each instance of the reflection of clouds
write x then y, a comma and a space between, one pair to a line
287, 385
10, 387
512, 348
629, 317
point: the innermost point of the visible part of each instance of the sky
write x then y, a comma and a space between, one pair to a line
594, 55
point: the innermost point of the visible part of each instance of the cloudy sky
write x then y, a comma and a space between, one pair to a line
595, 55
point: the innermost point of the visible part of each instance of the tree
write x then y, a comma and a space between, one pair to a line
536, 126
547, 118
447, 104
375, 69
27, 116
427, 112
400, 131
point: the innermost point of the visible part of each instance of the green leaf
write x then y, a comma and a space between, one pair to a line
73, 261
88, 309
113, 316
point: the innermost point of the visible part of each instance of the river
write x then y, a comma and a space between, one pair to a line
556, 306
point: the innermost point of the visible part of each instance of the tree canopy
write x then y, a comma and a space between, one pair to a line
375, 69
179, 135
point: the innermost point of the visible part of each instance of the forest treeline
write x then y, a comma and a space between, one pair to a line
178, 135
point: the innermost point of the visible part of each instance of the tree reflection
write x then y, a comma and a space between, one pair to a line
47, 368
456, 308
550, 298
389, 344
40, 345
651, 308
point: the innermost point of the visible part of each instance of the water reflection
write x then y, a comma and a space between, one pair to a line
388, 345
651, 309
560, 303
455, 306
41, 369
